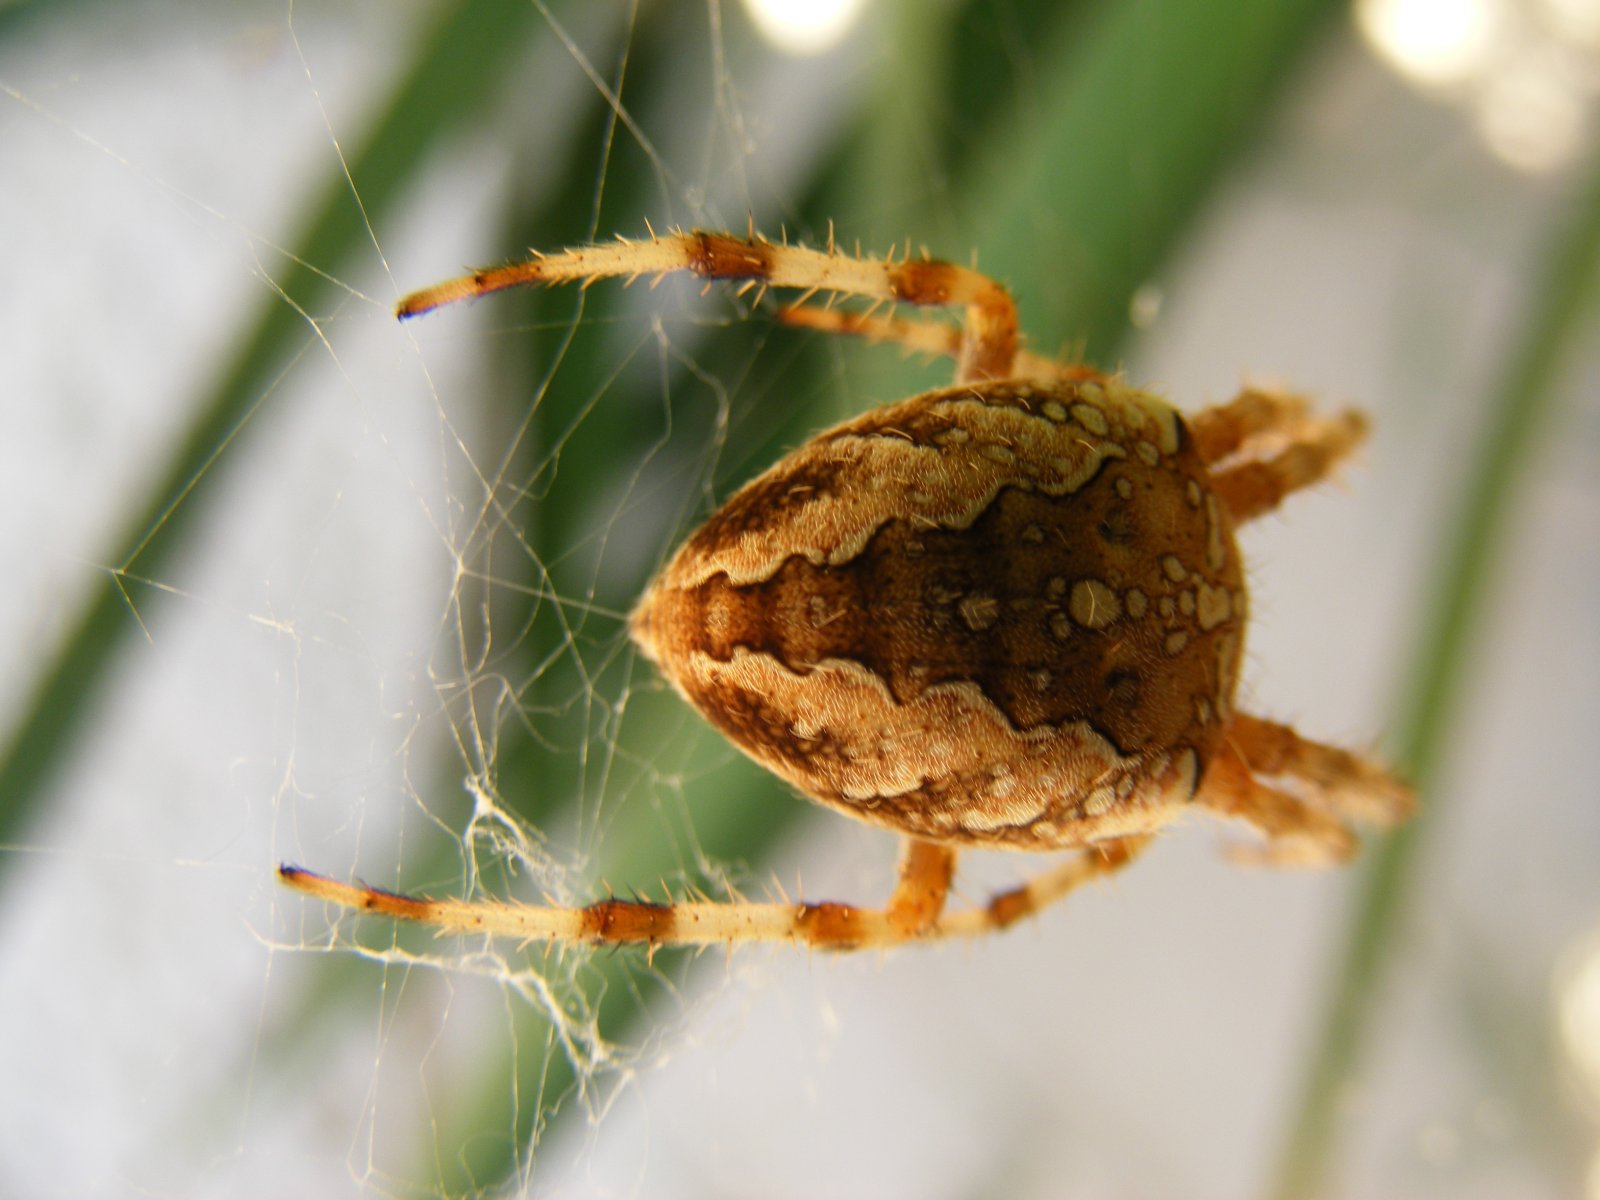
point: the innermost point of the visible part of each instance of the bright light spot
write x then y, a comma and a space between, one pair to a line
1433, 41
1531, 114
1578, 1016
804, 26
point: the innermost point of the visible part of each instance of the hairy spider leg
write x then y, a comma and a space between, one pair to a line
925, 337
1255, 415
1254, 487
989, 339
1044, 889
915, 912
1297, 834
925, 874
1346, 784
1263, 445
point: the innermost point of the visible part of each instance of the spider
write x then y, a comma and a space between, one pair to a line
1007, 613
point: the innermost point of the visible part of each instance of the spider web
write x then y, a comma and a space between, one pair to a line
391, 644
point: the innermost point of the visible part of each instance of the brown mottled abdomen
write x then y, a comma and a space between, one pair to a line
1005, 613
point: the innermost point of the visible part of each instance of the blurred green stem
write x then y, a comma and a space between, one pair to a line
1523, 398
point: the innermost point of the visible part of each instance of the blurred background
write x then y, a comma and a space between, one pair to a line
290, 581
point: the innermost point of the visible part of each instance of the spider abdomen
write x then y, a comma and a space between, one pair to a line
1007, 612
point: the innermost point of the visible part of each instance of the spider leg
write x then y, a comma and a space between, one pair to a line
1297, 834
914, 912
1251, 487
919, 896
923, 337
1044, 889
989, 339
1311, 828
1344, 783
1254, 415
701, 923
